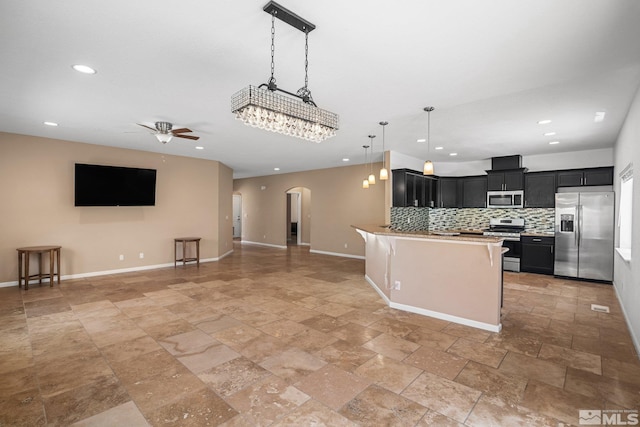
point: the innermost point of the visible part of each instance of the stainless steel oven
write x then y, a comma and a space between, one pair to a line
505, 199
509, 229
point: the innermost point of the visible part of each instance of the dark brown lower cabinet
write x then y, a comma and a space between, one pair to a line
537, 254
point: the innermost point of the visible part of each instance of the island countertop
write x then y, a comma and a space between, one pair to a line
458, 235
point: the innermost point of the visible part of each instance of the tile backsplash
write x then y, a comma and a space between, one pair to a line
537, 220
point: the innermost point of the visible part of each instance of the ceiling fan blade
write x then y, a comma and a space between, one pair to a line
181, 130
195, 138
145, 126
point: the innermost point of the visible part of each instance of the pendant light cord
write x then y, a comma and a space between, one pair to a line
383, 124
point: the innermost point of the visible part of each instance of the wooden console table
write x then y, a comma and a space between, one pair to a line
54, 264
184, 260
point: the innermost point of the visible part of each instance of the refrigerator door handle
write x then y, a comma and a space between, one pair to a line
579, 225
576, 228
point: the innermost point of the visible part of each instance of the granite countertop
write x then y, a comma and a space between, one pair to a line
538, 234
456, 235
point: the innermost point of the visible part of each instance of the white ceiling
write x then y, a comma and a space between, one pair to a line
491, 68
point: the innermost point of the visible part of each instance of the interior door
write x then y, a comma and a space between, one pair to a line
237, 216
566, 233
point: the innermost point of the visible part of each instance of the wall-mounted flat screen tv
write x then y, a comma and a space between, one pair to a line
98, 185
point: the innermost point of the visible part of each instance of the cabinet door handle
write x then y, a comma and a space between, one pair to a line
551, 247
537, 240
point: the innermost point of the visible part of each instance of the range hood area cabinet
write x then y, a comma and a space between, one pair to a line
505, 180
413, 189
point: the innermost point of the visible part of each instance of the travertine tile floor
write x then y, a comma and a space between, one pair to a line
288, 338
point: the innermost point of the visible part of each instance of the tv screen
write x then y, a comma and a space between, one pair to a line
97, 185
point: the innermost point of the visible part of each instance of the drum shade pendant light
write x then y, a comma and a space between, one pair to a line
365, 182
271, 108
428, 165
384, 173
372, 177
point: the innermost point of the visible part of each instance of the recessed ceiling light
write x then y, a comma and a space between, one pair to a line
544, 122
345, 159
421, 140
276, 169
453, 154
554, 142
439, 148
84, 69
50, 123
199, 148
599, 116
549, 134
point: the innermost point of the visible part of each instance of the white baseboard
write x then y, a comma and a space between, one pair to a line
442, 316
116, 271
247, 242
636, 342
377, 289
314, 251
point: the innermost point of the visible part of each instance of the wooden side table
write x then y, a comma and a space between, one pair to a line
54, 264
184, 260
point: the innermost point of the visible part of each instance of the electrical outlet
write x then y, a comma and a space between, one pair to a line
345, 246
396, 285
264, 236
121, 257
141, 255
408, 220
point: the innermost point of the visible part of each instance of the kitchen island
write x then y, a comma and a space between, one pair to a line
450, 276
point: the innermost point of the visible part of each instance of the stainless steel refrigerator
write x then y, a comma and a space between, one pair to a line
584, 230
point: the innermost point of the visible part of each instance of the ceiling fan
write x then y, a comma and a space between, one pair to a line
164, 132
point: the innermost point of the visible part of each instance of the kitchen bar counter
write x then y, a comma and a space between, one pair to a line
457, 278
457, 235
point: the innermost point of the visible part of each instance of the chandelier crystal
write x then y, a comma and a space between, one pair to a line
268, 110
287, 113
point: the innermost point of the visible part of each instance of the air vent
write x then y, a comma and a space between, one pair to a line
600, 308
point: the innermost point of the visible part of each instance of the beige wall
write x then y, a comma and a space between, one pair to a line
193, 198
337, 201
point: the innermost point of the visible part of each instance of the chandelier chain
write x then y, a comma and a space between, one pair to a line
272, 80
306, 59
304, 91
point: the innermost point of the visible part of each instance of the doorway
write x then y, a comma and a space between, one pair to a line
298, 216
237, 216
294, 201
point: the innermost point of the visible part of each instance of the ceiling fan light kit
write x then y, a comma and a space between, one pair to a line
164, 132
271, 108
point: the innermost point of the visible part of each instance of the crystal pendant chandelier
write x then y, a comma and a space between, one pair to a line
428, 165
365, 182
372, 177
384, 173
287, 113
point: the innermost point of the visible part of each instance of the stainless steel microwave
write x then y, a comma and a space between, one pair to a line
505, 199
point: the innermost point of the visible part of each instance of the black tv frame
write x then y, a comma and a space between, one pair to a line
102, 185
